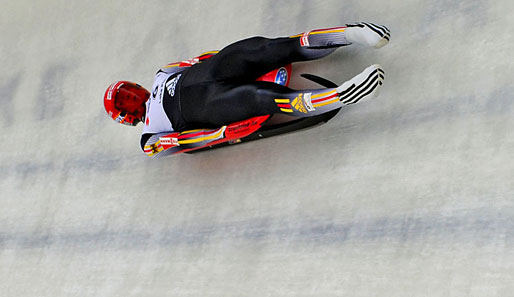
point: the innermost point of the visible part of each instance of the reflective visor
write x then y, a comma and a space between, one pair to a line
131, 99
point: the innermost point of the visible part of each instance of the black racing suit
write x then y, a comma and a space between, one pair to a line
222, 89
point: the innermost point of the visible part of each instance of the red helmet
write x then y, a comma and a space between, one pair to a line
125, 101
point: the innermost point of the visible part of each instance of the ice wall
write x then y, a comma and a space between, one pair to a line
408, 195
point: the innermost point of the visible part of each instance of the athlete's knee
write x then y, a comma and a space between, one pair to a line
267, 93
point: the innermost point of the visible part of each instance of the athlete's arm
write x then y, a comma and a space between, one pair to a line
152, 144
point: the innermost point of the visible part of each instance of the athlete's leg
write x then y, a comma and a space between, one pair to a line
248, 59
230, 103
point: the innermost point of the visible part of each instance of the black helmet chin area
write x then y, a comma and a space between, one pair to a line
127, 119
135, 122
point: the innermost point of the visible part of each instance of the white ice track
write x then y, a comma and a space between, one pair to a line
408, 195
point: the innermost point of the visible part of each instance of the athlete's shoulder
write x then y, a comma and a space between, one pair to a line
179, 66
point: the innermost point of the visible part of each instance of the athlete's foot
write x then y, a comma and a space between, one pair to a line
362, 87
367, 34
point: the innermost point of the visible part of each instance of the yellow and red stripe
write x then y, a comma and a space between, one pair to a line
321, 31
284, 104
187, 63
325, 98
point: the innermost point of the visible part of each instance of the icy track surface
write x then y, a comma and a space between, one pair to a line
408, 195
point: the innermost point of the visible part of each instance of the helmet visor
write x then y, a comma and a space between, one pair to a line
131, 100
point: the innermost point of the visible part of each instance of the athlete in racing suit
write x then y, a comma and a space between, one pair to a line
219, 88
